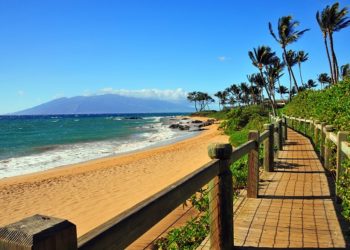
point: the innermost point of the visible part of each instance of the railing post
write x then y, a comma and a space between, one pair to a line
316, 133
341, 137
327, 148
305, 127
285, 131
268, 149
311, 130
322, 140
40, 233
221, 199
253, 166
280, 135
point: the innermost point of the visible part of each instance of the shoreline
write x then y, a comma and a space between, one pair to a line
90, 193
123, 147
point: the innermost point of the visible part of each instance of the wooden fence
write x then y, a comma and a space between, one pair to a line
44, 232
322, 135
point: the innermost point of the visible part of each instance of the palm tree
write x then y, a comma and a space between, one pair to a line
334, 20
282, 90
235, 92
302, 57
287, 35
245, 92
322, 20
345, 71
292, 60
311, 84
263, 57
324, 78
222, 96
259, 83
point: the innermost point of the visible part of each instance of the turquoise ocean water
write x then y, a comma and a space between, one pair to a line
33, 143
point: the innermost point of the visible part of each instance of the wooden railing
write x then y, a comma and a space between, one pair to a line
322, 135
44, 232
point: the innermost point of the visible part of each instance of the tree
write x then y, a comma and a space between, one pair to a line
287, 35
222, 96
192, 97
301, 57
324, 79
322, 22
235, 92
282, 90
345, 71
261, 58
332, 20
311, 84
259, 83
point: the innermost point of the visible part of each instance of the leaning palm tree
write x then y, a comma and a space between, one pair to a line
324, 79
345, 71
302, 57
335, 20
263, 57
287, 35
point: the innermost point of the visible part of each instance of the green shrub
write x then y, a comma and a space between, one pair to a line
331, 105
343, 189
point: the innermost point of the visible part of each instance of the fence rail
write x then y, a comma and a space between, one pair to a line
44, 232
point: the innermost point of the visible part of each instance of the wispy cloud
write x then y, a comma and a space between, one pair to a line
223, 58
160, 94
20, 93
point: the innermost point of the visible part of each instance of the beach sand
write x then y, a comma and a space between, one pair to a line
91, 193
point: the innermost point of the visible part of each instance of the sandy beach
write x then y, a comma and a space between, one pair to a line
90, 193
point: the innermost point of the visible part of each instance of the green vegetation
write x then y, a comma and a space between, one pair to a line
343, 188
331, 105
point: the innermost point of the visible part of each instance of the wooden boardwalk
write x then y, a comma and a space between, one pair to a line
295, 208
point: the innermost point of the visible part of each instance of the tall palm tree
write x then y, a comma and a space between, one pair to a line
302, 57
292, 60
345, 71
287, 35
322, 19
324, 79
263, 57
334, 20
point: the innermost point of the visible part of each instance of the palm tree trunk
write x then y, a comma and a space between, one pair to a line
301, 77
329, 58
290, 68
335, 63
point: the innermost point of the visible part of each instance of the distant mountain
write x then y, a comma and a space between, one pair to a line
102, 104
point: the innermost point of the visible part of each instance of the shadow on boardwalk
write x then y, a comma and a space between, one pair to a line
295, 208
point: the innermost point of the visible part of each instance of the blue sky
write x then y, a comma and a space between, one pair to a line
50, 49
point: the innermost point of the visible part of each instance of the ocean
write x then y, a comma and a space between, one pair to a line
34, 143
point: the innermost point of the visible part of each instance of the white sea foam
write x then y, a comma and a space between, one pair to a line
75, 153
